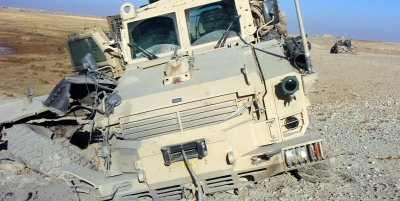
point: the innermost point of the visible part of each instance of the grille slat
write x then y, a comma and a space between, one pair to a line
208, 108
222, 111
154, 126
202, 113
204, 121
213, 185
149, 121
220, 182
220, 185
172, 192
162, 130
172, 197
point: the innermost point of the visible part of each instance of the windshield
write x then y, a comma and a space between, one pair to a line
208, 23
79, 48
156, 35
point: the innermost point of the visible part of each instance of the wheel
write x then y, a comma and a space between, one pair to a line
319, 172
41, 153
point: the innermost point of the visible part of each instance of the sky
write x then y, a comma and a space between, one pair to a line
363, 20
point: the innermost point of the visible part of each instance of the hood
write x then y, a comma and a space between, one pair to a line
214, 73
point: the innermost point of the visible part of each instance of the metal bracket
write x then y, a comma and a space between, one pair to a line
196, 149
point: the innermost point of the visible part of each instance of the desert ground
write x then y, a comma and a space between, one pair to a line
38, 41
355, 106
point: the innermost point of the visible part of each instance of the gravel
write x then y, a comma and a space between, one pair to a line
356, 108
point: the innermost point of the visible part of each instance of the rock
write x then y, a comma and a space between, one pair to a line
22, 195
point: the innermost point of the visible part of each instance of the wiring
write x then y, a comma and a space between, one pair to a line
266, 24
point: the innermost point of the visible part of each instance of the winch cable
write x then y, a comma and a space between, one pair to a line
194, 177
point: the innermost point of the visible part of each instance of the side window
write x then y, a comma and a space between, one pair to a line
209, 22
155, 35
79, 48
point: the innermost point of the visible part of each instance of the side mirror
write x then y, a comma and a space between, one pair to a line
88, 62
271, 11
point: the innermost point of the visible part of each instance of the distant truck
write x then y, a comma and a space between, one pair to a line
209, 95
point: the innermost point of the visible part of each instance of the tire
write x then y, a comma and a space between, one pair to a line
319, 172
41, 153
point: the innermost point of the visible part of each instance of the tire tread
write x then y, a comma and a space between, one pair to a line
319, 172
41, 153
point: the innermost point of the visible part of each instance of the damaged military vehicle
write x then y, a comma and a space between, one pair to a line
344, 47
213, 94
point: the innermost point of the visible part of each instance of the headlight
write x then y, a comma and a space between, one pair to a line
314, 151
303, 154
290, 158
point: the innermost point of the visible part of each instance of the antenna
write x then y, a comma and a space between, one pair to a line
303, 38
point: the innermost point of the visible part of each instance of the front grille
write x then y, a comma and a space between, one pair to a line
220, 183
170, 193
165, 124
206, 115
179, 118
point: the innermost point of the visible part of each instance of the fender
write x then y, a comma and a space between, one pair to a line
18, 109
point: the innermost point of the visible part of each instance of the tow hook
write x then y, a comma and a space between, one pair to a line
264, 158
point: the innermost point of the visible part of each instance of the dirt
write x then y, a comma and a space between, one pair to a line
40, 56
355, 107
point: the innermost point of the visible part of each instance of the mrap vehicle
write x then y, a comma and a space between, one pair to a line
213, 94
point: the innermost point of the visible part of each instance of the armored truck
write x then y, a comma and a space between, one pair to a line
344, 47
213, 94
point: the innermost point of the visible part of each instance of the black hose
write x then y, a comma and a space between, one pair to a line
193, 175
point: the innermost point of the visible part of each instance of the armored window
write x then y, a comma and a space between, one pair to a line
155, 35
79, 48
209, 22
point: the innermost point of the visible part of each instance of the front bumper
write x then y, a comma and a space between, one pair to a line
272, 161
244, 168
307, 141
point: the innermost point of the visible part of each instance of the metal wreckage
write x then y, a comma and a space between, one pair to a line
344, 47
182, 99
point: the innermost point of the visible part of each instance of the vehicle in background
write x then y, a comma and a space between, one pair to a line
344, 47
